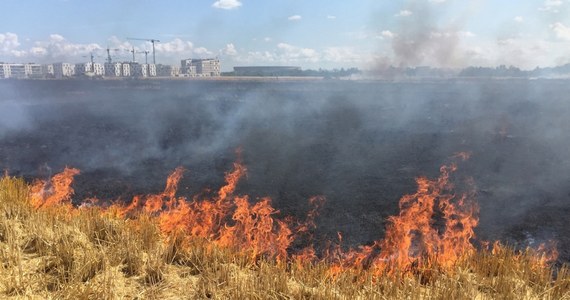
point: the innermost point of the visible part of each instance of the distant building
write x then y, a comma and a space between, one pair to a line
113, 69
17, 71
98, 69
5, 70
200, 67
63, 70
47, 71
163, 70
32, 70
82, 68
139, 70
152, 70
267, 71
126, 69
21, 71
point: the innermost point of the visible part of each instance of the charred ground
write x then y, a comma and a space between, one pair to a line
360, 144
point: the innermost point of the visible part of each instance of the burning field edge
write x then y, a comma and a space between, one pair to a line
228, 246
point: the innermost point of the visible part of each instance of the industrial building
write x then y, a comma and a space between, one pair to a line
267, 71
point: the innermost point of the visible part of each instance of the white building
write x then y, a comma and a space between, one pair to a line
200, 67
63, 70
17, 71
98, 69
152, 70
126, 70
33, 70
5, 70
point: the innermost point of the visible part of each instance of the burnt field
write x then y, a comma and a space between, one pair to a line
359, 144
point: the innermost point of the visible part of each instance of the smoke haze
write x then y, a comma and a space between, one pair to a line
360, 144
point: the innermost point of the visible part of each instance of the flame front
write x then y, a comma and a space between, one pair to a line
434, 228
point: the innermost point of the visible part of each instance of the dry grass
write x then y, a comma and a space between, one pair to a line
64, 253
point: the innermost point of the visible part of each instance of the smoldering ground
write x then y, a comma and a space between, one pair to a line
360, 144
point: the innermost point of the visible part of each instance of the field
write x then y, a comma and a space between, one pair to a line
360, 146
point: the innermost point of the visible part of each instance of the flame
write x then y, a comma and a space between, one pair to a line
55, 191
433, 229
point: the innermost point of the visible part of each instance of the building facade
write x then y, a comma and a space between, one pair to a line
63, 70
207, 67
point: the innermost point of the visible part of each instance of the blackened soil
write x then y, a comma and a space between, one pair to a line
360, 144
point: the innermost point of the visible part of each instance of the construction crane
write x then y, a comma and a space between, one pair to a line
146, 52
109, 59
148, 40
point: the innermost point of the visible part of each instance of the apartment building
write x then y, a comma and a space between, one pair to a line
200, 67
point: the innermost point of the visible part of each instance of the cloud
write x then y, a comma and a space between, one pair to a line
331, 17
437, 1
561, 31
267, 39
551, 6
293, 53
518, 19
176, 46
201, 51
227, 4
387, 34
58, 48
230, 50
9, 44
342, 55
294, 18
404, 13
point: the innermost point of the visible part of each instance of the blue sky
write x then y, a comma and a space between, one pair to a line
310, 34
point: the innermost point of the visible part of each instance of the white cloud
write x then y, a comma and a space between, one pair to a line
9, 44
227, 4
267, 39
561, 31
331, 17
436, 1
294, 18
342, 55
551, 6
404, 13
176, 46
296, 54
203, 52
387, 34
518, 19
230, 50
59, 48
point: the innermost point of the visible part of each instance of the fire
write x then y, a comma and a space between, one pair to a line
54, 191
434, 228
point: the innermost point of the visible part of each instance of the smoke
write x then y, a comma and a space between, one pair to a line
360, 144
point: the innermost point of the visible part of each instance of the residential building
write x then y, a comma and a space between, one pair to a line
113, 69
32, 70
200, 67
17, 71
5, 70
63, 70
126, 71
152, 70
47, 71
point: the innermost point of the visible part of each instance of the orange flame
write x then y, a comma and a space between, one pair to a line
55, 191
434, 228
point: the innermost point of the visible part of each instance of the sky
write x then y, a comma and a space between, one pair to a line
366, 34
